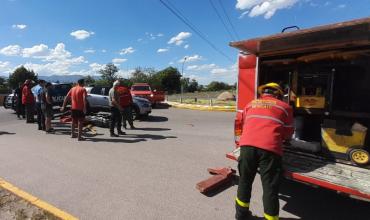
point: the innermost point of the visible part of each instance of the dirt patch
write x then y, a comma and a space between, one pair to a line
14, 208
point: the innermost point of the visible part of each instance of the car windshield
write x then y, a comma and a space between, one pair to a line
140, 88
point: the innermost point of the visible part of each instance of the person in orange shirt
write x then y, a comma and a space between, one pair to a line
78, 107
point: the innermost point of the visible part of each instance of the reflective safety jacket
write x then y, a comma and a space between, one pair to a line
125, 97
267, 122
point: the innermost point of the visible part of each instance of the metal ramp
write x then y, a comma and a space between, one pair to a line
310, 169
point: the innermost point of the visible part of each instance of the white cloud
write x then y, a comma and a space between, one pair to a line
11, 50
341, 6
125, 73
179, 39
267, 8
96, 66
118, 60
5, 67
81, 34
127, 50
40, 50
58, 53
56, 60
229, 71
193, 58
152, 36
186, 46
19, 26
104, 51
243, 14
162, 50
89, 51
202, 67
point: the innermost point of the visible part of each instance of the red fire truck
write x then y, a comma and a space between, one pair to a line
325, 72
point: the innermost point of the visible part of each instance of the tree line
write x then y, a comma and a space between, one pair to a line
168, 79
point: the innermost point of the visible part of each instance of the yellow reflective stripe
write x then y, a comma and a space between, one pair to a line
241, 203
270, 217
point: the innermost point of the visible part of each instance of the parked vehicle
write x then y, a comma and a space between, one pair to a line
9, 101
97, 99
59, 91
143, 90
325, 71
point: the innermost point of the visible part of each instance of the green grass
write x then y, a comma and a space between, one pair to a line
202, 98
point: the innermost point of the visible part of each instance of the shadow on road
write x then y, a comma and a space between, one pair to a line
162, 106
114, 140
308, 203
153, 129
149, 136
316, 203
152, 118
5, 132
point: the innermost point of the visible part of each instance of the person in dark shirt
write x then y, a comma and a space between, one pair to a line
18, 98
47, 106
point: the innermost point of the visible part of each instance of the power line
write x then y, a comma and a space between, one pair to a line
180, 16
221, 19
228, 19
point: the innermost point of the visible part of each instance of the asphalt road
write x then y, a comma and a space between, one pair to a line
148, 174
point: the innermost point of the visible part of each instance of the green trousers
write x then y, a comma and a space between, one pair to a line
270, 167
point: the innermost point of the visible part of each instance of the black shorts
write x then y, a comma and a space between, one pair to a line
77, 114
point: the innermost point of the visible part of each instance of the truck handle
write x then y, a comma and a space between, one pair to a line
290, 27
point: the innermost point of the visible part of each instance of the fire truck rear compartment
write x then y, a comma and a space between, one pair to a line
330, 87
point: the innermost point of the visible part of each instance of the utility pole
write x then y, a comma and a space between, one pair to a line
182, 75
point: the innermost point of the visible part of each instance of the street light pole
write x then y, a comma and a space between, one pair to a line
182, 75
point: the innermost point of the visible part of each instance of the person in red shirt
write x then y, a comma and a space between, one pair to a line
267, 123
28, 100
125, 102
78, 107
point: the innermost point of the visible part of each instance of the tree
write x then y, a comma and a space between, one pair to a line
185, 81
139, 76
109, 73
217, 86
193, 86
2, 81
89, 80
20, 75
170, 79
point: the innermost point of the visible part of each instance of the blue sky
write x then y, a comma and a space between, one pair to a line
79, 37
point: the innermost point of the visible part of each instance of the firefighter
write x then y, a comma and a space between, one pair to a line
28, 100
267, 123
126, 104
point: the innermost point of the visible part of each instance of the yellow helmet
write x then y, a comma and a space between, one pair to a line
272, 85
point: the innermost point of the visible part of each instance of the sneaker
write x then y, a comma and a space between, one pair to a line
49, 132
113, 135
133, 127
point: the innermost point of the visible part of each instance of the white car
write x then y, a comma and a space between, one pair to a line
97, 100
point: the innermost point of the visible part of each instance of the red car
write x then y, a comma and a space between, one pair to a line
143, 90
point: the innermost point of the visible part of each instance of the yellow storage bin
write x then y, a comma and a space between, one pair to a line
341, 143
310, 102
